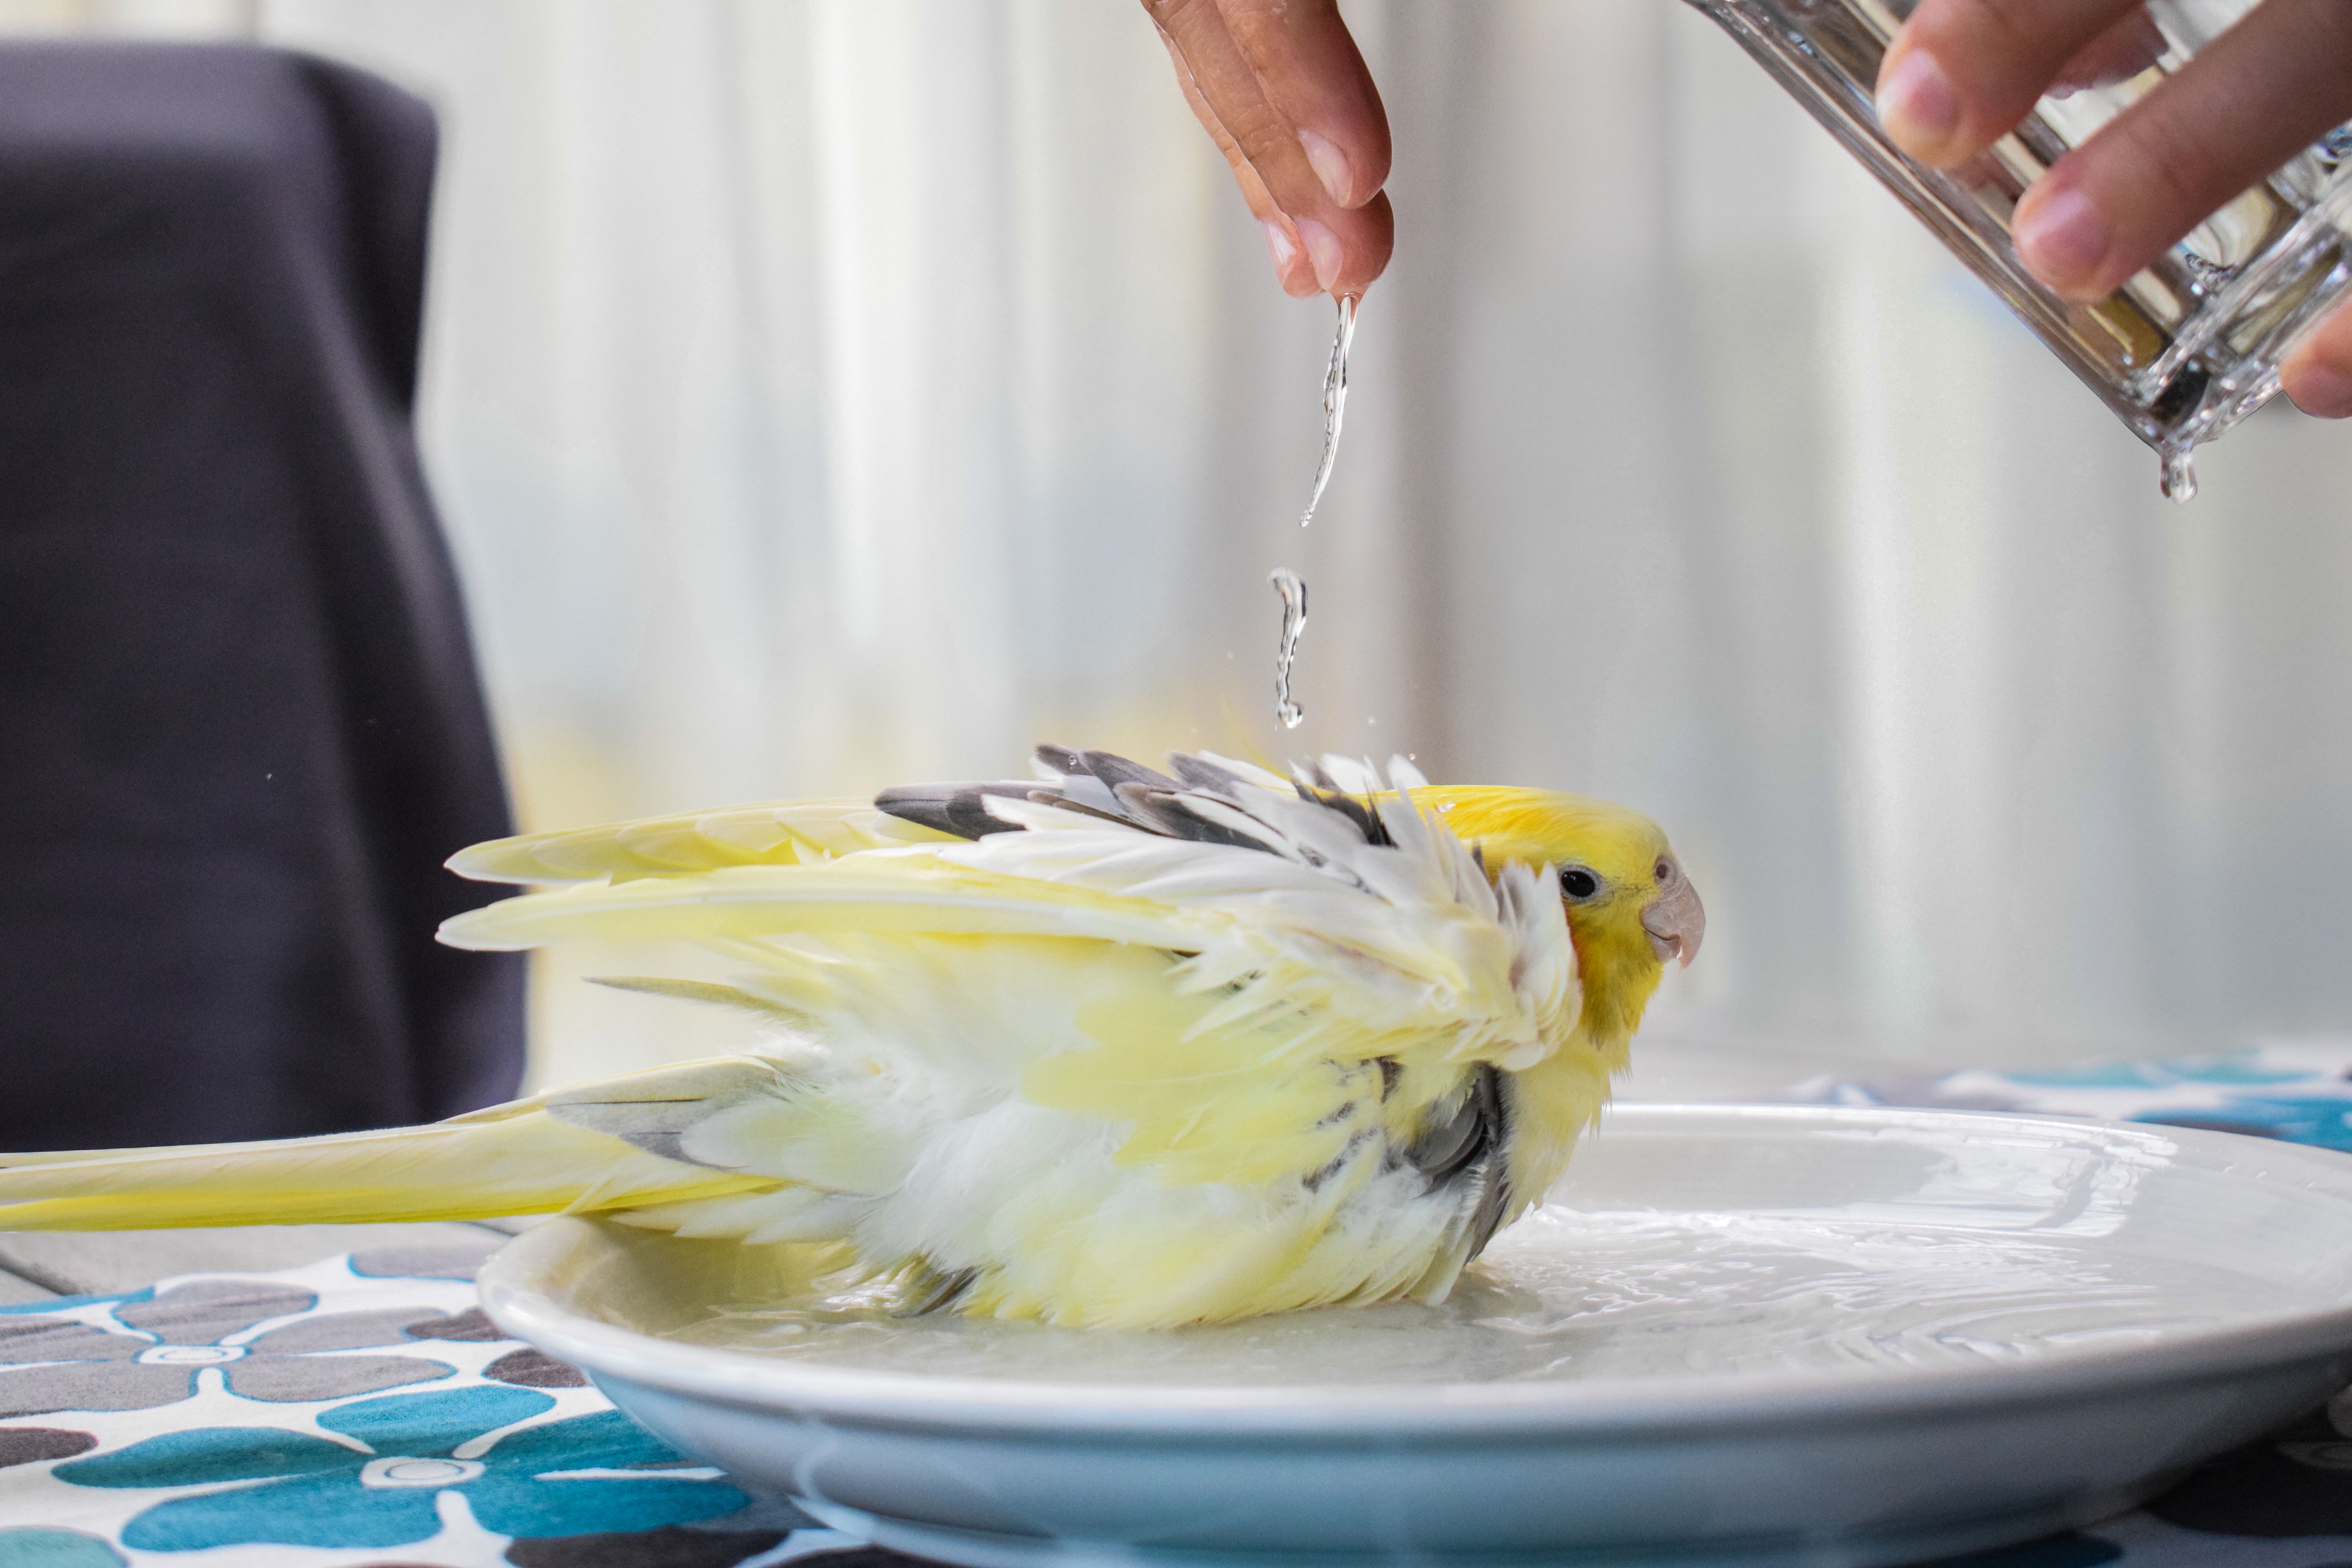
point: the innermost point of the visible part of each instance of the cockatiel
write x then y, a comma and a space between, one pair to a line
1109, 1047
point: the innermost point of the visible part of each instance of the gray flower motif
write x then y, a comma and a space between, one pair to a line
525, 1368
51, 1364
31, 1445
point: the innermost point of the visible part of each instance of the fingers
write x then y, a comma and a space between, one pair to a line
1283, 92
1365, 247
1961, 73
1314, 78
2245, 104
2119, 54
1291, 265
2318, 374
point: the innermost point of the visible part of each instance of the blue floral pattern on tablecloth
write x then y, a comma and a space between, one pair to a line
154, 1345
2296, 1090
282, 1411
555, 1478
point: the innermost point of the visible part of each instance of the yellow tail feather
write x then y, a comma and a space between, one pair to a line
512, 1161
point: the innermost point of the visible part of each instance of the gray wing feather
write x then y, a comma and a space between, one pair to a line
1205, 777
656, 1111
1471, 1149
958, 808
1105, 784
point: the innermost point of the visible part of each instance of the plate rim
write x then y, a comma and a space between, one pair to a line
1620, 1406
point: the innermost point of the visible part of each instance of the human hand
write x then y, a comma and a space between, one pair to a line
1962, 73
1280, 89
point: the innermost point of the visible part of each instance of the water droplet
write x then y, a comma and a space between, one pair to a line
1293, 590
2178, 477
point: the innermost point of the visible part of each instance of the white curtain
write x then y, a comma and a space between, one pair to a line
825, 394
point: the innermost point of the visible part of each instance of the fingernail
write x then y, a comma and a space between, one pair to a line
1330, 165
1322, 249
2062, 240
1916, 104
2321, 391
1279, 243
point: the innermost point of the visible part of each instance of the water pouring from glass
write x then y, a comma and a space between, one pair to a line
2181, 343
2155, 189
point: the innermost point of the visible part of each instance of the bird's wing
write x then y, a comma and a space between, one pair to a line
781, 833
1361, 911
896, 892
1230, 975
1361, 916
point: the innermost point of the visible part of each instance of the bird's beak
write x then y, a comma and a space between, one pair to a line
1676, 920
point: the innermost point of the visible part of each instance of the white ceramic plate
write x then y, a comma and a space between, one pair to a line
1743, 1335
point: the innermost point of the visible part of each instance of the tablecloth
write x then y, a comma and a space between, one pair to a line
361, 1411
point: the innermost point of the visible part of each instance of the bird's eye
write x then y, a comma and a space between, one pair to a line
1576, 882
1665, 871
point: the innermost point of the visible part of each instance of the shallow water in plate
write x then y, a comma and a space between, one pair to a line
1564, 1294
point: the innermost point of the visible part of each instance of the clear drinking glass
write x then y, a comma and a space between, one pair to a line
2188, 346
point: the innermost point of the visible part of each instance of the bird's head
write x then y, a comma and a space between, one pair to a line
1629, 906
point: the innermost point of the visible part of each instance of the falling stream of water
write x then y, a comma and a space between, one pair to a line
1335, 404
1286, 582
1293, 589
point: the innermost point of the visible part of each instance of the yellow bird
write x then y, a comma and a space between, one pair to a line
1106, 1048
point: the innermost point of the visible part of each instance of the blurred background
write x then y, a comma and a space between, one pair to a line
825, 394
